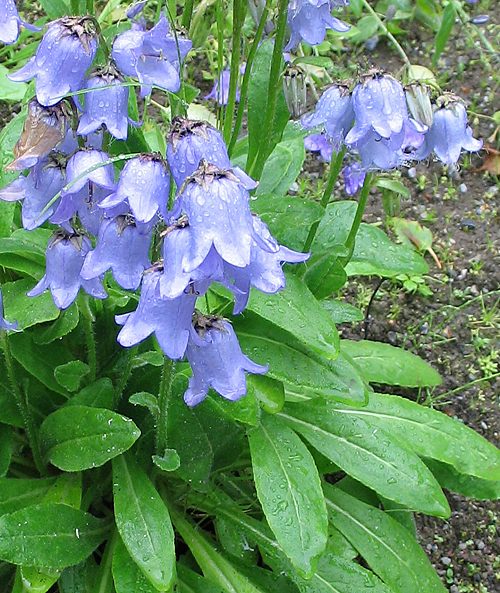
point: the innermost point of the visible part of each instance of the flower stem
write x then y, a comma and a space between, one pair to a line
164, 394
88, 320
246, 78
219, 16
22, 404
239, 11
335, 167
363, 198
387, 33
272, 95
124, 377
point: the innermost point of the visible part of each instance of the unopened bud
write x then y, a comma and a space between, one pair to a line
295, 89
419, 103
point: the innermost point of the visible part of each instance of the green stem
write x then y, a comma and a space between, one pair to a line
22, 404
104, 579
387, 33
239, 10
335, 167
187, 14
465, 20
124, 377
164, 394
257, 166
246, 78
363, 198
219, 16
88, 320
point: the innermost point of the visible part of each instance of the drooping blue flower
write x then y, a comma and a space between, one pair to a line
88, 165
4, 324
168, 319
151, 56
215, 356
354, 178
121, 247
37, 190
174, 281
108, 106
135, 9
64, 259
264, 271
309, 19
62, 58
384, 135
145, 184
319, 143
448, 134
217, 206
220, 90
190, 141
10, 22
334, 111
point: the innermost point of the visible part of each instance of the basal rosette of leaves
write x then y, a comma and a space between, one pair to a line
175, 403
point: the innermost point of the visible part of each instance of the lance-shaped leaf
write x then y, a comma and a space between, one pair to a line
430, 434
127, 575
17, 493
303, 373
75, 438
368, 454
390, 550
383, 363
50, 534
289, 491
296, 310
143, 522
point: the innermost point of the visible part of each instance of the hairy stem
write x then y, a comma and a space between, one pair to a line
239, 11
363, 198
335, 167
164, 395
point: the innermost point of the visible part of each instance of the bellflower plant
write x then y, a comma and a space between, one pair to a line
199, 373
61, 60
10, 22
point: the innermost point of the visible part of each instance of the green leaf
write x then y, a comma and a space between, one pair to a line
394, 186
257, 102
169, 462
71, 374
96, 395
192, 582
127, 576
269, 392
412, 234
295, 310
448, 20
214, 566
51, 534
5, 448
28, 311
390, 551
289, 491
55, 8
150, 357
383, 363
10, 91
147, 400
75, 438
245, 410
289, 218
282, 167
369, 455
17, 493
430, 433
143, 522
67, 490
324, 274
303, 373
63, 325
318, 61
471, 486
341, 312
374, 253
9, 135
367, 27
79, 578
40, 360
37, 580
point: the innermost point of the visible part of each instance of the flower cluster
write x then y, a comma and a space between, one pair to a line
374, 125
